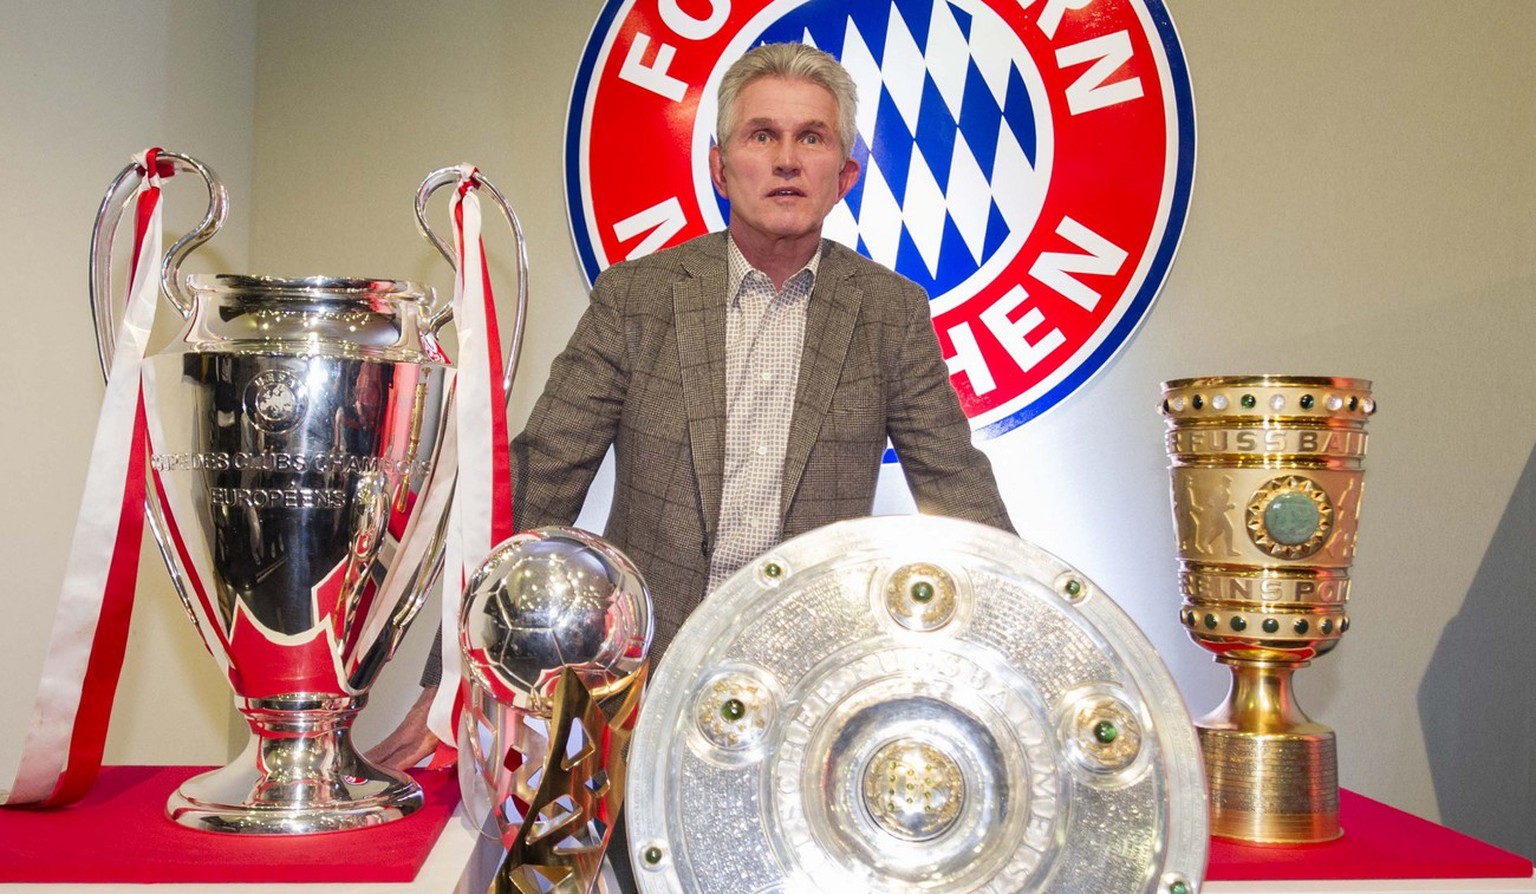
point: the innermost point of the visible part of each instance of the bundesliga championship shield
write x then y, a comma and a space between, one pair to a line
913, 704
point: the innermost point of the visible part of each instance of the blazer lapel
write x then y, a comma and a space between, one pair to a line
829, 322
698, 306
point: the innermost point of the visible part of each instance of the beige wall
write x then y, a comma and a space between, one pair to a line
1364, 204
84, 85
479, 82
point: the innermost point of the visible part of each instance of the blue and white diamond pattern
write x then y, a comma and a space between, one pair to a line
953, 136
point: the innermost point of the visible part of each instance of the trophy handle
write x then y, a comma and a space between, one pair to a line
103, 310
441, 315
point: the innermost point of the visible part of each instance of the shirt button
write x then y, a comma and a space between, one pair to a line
762, 450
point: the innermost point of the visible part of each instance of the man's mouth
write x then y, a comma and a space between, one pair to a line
786, 191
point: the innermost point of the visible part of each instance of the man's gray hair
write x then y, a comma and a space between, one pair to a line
793, 61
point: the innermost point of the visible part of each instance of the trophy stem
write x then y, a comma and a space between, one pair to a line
1272, 771
299, 775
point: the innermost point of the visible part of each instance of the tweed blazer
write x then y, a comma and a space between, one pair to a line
645, 371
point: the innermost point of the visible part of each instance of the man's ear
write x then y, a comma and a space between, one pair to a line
717, 170
847, 177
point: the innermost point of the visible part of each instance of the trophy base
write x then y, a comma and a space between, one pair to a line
1272, 788
297, 786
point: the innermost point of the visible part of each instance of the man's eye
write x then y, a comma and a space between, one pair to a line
759, 137
813, 138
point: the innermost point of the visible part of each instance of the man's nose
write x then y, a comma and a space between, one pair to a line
787, 159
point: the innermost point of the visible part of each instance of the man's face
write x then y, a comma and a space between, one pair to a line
782, 167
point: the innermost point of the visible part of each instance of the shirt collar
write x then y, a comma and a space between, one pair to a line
737, 268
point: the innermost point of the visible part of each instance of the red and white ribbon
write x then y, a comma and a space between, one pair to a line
482, 504
63, 749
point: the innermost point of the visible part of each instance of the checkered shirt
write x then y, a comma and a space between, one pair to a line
765, 329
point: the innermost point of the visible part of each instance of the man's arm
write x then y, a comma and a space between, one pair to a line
948, 475
576, 418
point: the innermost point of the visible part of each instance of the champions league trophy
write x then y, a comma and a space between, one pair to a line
298, 496
1266, 497
556, 627
913, 704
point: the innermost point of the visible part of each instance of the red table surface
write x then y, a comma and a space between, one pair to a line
1379, 842
119, 833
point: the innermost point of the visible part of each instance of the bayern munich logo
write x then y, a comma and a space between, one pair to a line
1028, 162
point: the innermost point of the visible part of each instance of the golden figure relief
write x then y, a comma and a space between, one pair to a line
1213, 522
1186, 520
1347, 509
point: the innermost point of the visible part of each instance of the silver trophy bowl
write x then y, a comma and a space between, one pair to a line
295, 432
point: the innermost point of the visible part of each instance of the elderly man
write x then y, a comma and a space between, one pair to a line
747, 380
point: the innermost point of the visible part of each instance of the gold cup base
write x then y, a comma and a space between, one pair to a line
1272, 788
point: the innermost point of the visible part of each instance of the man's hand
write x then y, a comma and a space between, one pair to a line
411, 741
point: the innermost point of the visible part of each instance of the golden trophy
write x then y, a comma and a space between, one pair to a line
1266, 477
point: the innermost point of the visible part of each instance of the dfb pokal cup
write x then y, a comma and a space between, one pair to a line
298, 496
1266, 477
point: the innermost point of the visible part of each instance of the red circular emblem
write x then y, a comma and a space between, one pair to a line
1028, 163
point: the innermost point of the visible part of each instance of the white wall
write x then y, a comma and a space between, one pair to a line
1364, 205
83, 86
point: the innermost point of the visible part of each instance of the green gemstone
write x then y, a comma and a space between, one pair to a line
1306, 401
1354, 403
1270, 625
733, 709
1191, 618
1197, 402
1239, 623
1178, 888
652, 855
1074, 587
1344, 624
773, 569
1326, 626
1106, 731
1210, 622
1249, 401
922, 591
1301, 625
1291, 518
